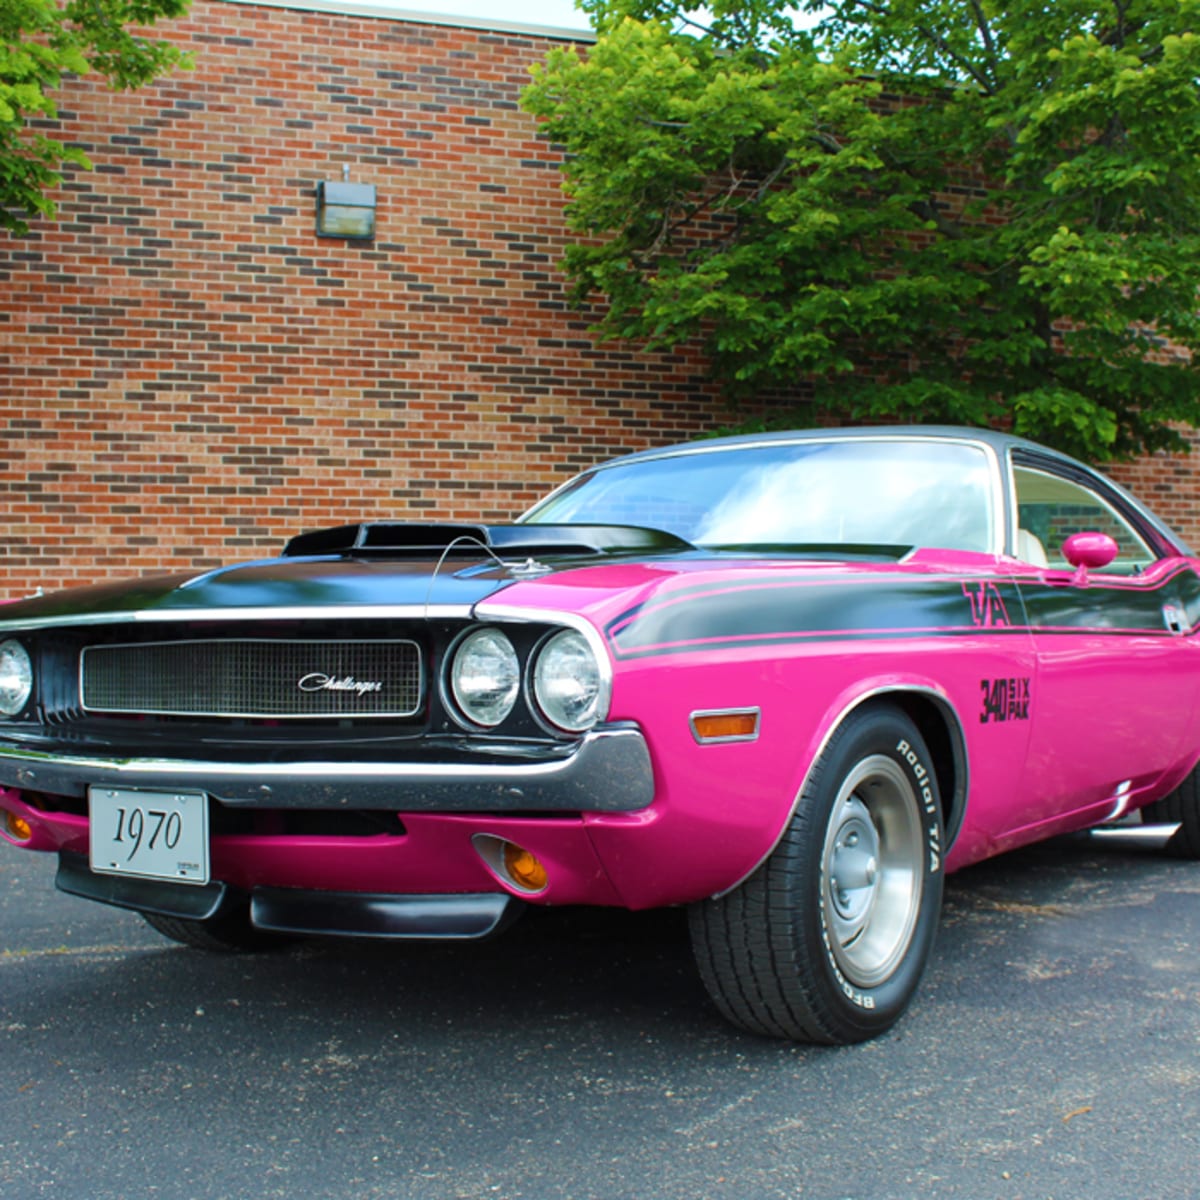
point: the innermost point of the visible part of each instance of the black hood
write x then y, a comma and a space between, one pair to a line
367, 566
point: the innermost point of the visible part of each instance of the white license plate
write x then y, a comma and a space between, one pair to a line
152, 835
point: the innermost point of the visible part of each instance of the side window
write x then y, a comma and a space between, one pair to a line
1050, 509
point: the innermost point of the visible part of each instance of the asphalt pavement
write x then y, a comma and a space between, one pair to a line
1052, 1054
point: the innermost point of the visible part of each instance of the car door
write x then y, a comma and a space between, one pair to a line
1116, 681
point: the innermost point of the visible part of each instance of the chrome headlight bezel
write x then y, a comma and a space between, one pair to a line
484, 677
16, 677
568, 682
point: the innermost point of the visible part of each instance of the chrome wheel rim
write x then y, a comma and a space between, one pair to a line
871, 876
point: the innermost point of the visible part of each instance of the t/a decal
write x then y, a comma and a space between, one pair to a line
1004, 700
987, 605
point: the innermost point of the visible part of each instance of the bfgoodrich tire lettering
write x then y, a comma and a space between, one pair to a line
828, 940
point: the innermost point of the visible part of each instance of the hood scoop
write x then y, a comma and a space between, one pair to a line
412, 539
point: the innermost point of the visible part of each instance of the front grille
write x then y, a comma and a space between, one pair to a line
254, 678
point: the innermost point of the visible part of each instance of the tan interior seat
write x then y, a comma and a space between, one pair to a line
1030, 549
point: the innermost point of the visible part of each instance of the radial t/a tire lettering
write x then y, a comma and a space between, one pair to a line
828, 940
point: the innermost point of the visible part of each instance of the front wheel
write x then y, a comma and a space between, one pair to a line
229, 934
827, 941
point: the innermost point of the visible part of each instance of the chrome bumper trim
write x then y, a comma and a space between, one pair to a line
608, 771
226, 615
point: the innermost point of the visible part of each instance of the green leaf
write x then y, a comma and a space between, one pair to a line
925, 210
39, 43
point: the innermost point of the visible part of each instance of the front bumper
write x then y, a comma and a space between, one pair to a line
607, 770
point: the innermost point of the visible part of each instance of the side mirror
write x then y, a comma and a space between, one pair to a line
1094, 550
1088, 550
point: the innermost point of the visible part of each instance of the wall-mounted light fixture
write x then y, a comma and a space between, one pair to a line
346, 210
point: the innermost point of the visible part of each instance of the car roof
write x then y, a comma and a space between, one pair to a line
1000, 442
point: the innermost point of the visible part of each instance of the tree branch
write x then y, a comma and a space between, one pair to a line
936, 39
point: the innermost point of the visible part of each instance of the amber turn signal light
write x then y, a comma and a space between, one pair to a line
16, 827
524, 868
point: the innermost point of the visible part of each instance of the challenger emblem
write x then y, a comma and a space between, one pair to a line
317, 682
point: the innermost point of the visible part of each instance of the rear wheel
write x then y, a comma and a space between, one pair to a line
1182, 808
229, 934
828, 940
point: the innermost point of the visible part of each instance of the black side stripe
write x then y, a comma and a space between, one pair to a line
742, 613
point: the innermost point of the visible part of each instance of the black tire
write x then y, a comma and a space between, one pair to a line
229, 934
827, 941
1182, 808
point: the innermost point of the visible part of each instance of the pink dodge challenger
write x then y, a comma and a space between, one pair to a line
786, 681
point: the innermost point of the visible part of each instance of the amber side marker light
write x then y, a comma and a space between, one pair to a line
524, 868
727, 725
16, 827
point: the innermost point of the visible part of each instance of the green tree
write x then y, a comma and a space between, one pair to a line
40, 42
977, 211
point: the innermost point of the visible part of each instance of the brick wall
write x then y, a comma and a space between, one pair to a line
1169, 484
188, 375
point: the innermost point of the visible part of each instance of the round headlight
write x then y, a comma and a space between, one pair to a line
486, 677
567, 683
16, 678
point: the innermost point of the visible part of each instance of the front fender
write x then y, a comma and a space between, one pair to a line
720, 809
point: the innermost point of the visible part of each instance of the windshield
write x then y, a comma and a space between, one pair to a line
852, 492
